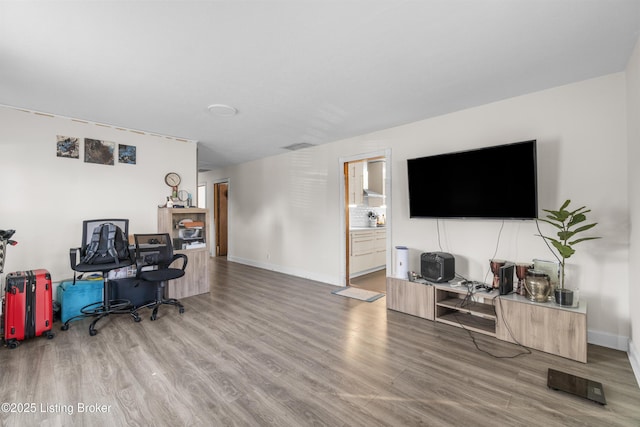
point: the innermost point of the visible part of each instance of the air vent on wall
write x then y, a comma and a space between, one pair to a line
298, 146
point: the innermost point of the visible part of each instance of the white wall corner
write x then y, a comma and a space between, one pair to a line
616, 342
634, 359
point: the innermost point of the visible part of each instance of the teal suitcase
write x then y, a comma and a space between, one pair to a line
73, 297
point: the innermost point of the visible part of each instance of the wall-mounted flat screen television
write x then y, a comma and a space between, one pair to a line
498, 182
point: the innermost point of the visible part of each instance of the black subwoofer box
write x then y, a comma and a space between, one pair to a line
437, 266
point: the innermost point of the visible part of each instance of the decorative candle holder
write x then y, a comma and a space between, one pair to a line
521, 273
495, 265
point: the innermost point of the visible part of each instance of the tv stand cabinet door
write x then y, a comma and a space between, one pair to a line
543, 327
412, 298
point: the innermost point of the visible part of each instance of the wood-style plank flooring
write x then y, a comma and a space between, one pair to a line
264, 348
376, 281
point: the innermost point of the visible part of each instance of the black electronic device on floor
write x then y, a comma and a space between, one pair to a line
578, 386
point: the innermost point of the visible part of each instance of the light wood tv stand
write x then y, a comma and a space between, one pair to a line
542, 326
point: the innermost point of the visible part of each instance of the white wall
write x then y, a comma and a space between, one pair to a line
45, 198
285, 211
633, 126
582, 152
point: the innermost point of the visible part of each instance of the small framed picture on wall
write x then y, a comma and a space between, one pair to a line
127, 154
68, 146
97, 151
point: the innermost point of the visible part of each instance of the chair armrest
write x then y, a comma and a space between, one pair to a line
140, 264
73, 257
132, 255
184, 260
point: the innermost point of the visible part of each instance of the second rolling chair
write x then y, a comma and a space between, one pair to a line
155, 265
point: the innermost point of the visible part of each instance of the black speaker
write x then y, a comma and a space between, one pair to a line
505, 275
437, 266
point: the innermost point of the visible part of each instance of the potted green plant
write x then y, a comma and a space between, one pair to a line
569, 225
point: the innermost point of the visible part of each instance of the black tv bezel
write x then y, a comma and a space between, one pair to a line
533, 158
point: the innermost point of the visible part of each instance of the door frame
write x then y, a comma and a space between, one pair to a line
216, 236
344, 209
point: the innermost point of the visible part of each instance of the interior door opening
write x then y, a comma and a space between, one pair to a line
365, 219
220, 216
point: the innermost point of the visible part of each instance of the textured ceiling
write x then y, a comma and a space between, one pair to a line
302, 71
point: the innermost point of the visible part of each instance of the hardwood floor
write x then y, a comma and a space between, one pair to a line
263, 348
376, 281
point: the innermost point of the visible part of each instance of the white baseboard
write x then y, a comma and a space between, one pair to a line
634, 358
604, 339
330, 280
370, 270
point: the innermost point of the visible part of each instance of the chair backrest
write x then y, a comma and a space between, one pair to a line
89, 225
153, 250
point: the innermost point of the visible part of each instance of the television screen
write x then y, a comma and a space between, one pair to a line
497, 182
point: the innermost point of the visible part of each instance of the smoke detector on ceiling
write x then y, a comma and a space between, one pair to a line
222, 110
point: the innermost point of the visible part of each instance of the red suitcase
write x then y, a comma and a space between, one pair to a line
28, 306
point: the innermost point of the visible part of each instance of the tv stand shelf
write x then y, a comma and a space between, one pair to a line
475, 308
513, 318
470, 322
544, 326
412, 298
456, 308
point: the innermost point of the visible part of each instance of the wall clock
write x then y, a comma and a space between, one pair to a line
172, 179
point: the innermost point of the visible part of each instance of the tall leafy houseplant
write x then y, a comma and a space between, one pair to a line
569, 224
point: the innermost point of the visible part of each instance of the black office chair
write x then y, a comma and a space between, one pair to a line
107, 306
154, 257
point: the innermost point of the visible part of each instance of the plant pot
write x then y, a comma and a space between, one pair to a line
564, 297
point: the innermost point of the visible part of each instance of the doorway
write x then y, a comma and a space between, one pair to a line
366, 209
220, 216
